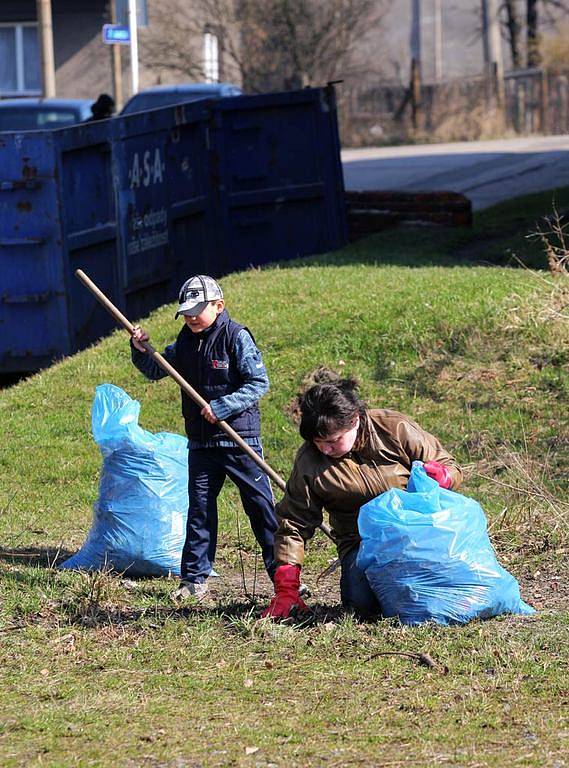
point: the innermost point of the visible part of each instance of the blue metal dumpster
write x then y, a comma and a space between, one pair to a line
142, 201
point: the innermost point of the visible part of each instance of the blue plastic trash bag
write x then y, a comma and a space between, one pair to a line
427, 556
139, 519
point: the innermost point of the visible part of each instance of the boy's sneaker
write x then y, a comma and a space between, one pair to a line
190, 590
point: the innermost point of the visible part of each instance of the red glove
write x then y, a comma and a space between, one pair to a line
438, 472
287, 597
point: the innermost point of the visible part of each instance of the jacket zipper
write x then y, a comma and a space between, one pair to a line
200, 343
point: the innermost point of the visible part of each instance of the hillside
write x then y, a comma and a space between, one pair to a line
99, 669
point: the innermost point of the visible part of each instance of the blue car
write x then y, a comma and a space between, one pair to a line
165, 95
32, 114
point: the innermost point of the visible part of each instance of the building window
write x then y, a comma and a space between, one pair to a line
210, 57
19, 59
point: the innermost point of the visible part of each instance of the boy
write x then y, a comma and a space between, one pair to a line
219, 358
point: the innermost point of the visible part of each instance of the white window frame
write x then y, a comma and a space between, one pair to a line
210, 56
18, 27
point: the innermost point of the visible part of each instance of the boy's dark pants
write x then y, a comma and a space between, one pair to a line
207, 470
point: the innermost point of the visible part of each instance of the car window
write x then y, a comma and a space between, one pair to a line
18, 119
144, 101
56, 119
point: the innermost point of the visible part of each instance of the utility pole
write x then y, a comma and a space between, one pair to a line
415, 80
43, 10
491, 39
416, 30
116, 64
438, 41
492, 47
133, 27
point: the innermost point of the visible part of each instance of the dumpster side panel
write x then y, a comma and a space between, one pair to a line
282, 194
166, 216
33, 309
89, 227
143, 203
329, 142
191, 210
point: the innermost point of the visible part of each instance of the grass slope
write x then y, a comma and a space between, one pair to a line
100, 670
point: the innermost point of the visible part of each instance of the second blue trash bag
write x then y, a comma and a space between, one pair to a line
427, 556
139, 519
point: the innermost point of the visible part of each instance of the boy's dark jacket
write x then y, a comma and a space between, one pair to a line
207, 361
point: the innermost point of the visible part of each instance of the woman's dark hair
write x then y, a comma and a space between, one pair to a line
329, 408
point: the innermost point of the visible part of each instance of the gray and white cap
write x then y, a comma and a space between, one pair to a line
196, 293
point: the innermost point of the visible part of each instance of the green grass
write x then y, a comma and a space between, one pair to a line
98, 670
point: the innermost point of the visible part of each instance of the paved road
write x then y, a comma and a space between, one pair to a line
485, 171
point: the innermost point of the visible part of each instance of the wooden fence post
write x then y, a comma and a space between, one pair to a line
415, 88
562, 89
498, 79
520, 107
544, 102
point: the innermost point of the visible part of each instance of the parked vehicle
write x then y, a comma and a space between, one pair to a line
35, 114
166, 95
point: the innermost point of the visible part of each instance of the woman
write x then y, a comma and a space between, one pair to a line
351, 454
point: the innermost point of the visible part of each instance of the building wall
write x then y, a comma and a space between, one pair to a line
461, 40
462, 50
17, 10
83, 61
164, 40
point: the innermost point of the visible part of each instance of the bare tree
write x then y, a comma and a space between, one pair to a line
513, 30
172, 44
266, 44
532, 45
536, 14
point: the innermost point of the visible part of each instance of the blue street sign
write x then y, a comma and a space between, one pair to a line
116, 33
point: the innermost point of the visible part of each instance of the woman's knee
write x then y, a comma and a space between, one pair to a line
356, 593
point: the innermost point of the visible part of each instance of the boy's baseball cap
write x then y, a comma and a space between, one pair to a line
196, 293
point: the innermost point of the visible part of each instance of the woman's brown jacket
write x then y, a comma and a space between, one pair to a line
386, 445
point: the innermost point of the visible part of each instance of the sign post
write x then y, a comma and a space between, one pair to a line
126, 17
116, 65
133, 27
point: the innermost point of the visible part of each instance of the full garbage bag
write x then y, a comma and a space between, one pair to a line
427, 556
139, 518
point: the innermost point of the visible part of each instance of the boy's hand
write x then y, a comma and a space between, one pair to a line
208, 414
138, 335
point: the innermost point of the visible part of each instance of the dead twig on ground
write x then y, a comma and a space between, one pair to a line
423, 658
